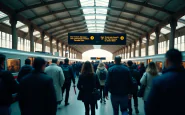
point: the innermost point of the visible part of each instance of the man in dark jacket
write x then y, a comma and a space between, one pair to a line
68, 74
119, 83
37, 94
26, 69
136, 79
167, 96
8, 86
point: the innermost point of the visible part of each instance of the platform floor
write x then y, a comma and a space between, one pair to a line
77, 107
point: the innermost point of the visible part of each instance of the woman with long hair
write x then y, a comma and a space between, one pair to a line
102, 74
151, 72
88, 81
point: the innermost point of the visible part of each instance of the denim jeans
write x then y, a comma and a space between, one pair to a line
4, 110
119, 101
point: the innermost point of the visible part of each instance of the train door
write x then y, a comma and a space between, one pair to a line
159, 65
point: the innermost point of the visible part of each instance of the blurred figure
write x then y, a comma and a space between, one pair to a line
8, 86
58, 79
102, 74
25, 70
47, 64
151, 72
135, 77
37, 94
142, 69
168, 91
61, 63
69, 76
88, 81
119, 83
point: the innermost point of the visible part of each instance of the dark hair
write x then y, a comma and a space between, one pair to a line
38, 63
27, 61
54, 60
174, 56
118, 59
87, 68
129, 63
61, 63
142, 65
2, 58
66, 61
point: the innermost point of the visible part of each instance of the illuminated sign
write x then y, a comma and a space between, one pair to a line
96, 39
98, 58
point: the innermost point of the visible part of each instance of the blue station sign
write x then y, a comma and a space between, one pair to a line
96, 38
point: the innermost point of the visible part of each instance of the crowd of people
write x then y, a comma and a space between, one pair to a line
40, 87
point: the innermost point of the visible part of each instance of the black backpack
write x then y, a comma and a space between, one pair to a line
66, 71
102, 74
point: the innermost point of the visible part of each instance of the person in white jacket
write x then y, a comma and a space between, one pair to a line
57, 74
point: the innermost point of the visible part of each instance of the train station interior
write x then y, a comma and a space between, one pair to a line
152, 27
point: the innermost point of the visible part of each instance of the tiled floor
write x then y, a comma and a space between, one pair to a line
77, 108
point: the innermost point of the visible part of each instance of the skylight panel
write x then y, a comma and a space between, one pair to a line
7, 22
153, 34
88, 11
36, 33
90, 25
101, 11
25, 29
180, 25
19, 24
152, 38
101, 17
2, 15
90, 17
100, 25
165, 31
183, 17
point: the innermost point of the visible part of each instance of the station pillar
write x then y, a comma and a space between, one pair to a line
13, 22
57, 45
62, 46
66, 51
157, 32
147, 43
140, 41
69, 52
124, 53
43, 42
134, 52
130, 50
31, 30
51, 44
173, 25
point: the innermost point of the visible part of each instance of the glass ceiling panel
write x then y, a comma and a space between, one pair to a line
180, 25
24, 29
19, 24
183, 17
152, 38
95, 21
153, 34
7, 22
2, 15
164, 31
36, 33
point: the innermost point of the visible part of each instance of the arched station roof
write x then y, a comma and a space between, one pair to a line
57, 18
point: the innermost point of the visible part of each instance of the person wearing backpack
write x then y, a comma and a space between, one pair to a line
68, 74
135, 79
8, 86
102, 74
26, 69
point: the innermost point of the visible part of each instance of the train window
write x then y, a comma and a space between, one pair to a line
159, 66
149, 60
183, 64
13, 65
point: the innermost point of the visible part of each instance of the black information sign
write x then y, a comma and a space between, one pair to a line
98, 58
96, 39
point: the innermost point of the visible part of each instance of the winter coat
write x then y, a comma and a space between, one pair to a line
58, 78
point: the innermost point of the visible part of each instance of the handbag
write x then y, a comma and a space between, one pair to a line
142, 89
96, 92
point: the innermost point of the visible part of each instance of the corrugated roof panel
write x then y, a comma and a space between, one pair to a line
148, 11
62, 14
141, 19
161, 15
127, 15
40, 10
132, 7
48, 18
28, 14
159, 3
55, 7
123, 21
117, 4
71, 4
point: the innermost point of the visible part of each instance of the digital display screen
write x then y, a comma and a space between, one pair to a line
96, 39
98, 58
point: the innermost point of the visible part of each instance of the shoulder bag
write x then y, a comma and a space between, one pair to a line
142, 88
96, 92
